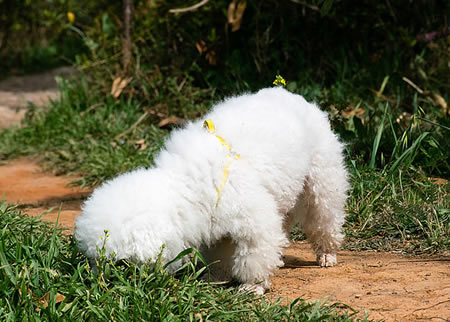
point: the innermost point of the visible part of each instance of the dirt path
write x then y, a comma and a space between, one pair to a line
388, 286
23, 183
18, 91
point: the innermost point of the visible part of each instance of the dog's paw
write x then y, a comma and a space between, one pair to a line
255, 288
326, 260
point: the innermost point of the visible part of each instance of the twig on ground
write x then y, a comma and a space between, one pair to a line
143, 116
180, 87
90, 108
384, 97
307, 5
417, 88
195, 6
429, 307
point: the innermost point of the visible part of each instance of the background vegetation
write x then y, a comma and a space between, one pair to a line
380, 68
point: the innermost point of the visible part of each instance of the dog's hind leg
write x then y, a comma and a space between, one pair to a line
321, 205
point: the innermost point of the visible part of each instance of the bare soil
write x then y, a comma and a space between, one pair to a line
16, 93
387, 286
24, 183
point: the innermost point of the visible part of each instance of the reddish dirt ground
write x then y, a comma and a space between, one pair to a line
388, 286
23, 183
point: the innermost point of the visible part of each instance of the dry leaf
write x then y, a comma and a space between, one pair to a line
439, 181
441, 101
46, 299
28, 291
141, 141
118, 85
156, 110
59, 298
210, 54
384, 97
171, 120
140, 145
211, 57
351, 111
158, 114
334, 110
201, 47
198, 315
235, 14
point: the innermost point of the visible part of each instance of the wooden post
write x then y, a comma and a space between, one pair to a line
127, 50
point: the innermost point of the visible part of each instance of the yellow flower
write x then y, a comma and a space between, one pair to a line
279, 81
71, 17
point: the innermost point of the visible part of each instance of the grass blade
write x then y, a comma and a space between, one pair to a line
376, 142
408, 156
5, 265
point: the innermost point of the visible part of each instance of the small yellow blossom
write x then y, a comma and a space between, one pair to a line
279, 81
71, 17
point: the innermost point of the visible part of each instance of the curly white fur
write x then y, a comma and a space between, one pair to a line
291, 170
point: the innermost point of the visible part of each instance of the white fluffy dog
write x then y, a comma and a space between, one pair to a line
233, 192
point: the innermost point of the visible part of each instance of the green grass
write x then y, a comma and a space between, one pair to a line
44, 277
407, 213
